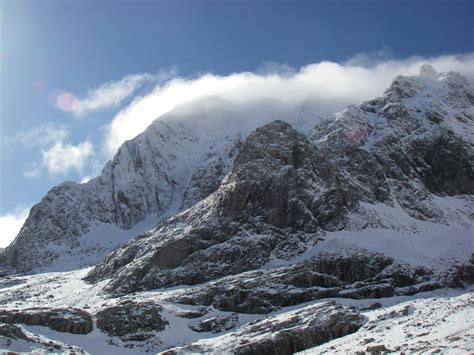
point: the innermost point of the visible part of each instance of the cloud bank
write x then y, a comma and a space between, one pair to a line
274, 90
329, 85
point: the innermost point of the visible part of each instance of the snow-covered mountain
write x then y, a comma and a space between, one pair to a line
177, 161
243, 233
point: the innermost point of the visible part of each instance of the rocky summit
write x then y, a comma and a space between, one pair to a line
269, 240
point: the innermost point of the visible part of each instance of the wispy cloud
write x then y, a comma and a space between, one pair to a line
44, 135
370, 59
32, 170
327, 85
111, 94
10, 225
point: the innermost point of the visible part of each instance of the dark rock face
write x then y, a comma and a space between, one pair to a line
129, 318
377, 349
66, 320
281, 178
464, 274
445, 164
287, 333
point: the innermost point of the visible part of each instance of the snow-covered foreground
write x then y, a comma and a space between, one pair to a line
441, 320
436, 320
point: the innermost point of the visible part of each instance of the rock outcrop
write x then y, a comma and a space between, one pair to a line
11, 334
280, 178
360, 275
66, 320
286, 333
216, 324
131, 320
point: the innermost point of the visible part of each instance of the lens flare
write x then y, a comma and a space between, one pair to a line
40, 86
63, 100
66, 101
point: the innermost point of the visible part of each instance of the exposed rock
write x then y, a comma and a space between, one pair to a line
272, 221
282, 179
405, 149
12, 331
66, 320
190, 314
286, 333
464, 274
377, 349
143, 179
10, 334
264, 291
216, 324
128, 318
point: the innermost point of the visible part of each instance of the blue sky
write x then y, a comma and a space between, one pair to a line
68, 69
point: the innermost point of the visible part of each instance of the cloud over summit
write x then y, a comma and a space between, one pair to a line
328, 85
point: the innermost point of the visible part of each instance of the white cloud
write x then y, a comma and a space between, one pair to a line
111, 94
61, 158
272, 91
57, 157
330, 86
10, 225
